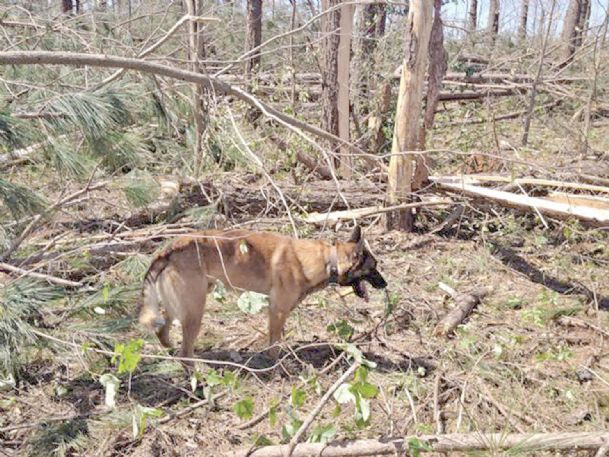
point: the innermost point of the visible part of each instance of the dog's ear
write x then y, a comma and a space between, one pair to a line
356, 236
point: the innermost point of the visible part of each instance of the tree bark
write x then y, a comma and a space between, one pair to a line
583, 22
408, 111
66, 6
472, 17
568, 35
343, 99
330, 25
524, 18
196, 53
493, 20
254, 35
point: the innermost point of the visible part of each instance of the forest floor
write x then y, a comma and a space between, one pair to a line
533, 356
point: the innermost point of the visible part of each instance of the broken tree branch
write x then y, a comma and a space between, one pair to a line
464, 305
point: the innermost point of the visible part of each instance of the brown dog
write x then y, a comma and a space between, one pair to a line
285, 269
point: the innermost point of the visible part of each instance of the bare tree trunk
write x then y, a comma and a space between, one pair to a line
568, 34
66, 6
371, 27
408, 111
524, 18
472, 17
329, 72
195, 54
493, 20
438, 65
254, 34
343, 99
531, 105
582, 23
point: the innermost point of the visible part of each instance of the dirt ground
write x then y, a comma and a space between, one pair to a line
531, 357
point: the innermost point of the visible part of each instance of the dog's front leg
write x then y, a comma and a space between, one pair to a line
281, 302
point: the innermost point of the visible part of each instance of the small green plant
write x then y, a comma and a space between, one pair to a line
342, 329
244, 409
359, 392
128, 355
252, 302
415, 446
140, 417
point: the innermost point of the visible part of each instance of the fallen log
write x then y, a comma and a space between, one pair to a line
464, 305
590, 201
478, 179
335, 216
7, 268
454, 442
586, 214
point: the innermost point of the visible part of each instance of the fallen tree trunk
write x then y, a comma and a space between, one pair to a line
464, 305
478, 179
455, 442
523, 202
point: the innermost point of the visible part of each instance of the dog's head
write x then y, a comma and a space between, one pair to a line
356, 264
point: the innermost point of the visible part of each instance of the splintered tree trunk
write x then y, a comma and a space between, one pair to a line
568, 34
344, 58
254, 34
493, 20
329, 72
408, 111
438, 65
524, 17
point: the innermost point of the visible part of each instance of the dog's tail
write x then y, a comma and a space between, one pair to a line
149, 309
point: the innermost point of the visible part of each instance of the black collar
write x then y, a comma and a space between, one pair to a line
333, 267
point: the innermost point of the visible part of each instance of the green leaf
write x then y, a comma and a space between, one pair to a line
367, 390
244, 408
128, 356
322, 434
213, 378
415, 446
252, 302
343, 394
273, 412
298, 397
289, 429
262, 440
140, 419
342, 329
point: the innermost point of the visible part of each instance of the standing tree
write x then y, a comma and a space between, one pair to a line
254, 35
408, 111
583, 22
196, 53
569, 29
342, 72
66, 6
371, 27
472, 17
493, 20
524, 18
330, 24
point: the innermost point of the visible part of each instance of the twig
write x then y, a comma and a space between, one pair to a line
191, 408
437, 413
313, 414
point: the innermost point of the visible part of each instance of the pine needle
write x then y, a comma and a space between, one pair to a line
20, 200
20, 303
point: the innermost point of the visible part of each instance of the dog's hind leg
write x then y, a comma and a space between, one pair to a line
163, 333
192, 305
